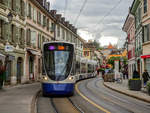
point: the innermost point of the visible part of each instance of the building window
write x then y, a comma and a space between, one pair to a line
39, 40
63, 34
86, 53
58, 31
47, 24
1, 1
28, 36
145, 6
1, 29
21, 38
22, 8
146, 33
13, 32
29, 11
39, 18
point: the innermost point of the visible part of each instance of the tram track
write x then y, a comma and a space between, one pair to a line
64, 105
104, 98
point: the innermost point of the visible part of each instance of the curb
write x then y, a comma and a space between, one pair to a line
125, 93
33, 102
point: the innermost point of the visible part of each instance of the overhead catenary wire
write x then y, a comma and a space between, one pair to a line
82, 7
108, 13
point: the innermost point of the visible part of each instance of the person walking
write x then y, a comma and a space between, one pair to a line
2, 75
136, 74
145, 76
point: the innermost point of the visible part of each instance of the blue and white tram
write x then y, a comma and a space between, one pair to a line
58, 60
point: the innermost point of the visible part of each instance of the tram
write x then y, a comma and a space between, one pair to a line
60, 68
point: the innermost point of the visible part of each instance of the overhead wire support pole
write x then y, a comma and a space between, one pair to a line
83, 5
66, 5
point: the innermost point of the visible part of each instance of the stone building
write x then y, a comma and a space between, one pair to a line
146, 34
12, 38
129, 28
21, 38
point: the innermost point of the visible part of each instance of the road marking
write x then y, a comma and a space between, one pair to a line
90, 101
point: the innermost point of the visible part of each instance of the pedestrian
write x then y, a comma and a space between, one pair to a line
136, 74
2, 74
145, 76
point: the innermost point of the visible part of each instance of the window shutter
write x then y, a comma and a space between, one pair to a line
9, 32
18, 2
148, 38
27, 36
5, 32
9, 3
143, 34
5, 2
14, 5
14, 34
23, 36
23, 8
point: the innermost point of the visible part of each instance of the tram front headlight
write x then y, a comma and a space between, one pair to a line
45, 78
70, 78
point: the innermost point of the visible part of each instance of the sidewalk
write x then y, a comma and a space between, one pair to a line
19, 99
123, 88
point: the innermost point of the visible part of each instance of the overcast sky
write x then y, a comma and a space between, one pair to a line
100, 19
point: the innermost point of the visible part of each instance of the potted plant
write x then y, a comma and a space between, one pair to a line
148, 87
134, 84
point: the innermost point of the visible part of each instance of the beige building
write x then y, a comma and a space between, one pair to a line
146, 34
12, 39
21, 39
129, 28
39, 24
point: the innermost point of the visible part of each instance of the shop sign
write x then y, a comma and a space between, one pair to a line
145, 56
9, 48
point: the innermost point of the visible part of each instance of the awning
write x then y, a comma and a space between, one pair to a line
145, 56
2, 57
33, 52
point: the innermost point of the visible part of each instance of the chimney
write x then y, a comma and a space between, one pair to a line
53, 12
58, 17
45, 3
48, 6
67, 23
63, 19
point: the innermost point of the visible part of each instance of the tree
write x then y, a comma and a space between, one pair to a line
97, 45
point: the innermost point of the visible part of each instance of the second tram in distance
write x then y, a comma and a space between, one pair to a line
61, 70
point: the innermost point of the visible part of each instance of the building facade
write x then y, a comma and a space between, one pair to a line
136, 10
129, 28
21, 39
39, 24
146, 34
12, 39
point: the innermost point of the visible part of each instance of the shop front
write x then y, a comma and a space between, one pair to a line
146, 59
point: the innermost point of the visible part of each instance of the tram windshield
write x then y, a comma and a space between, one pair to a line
58, 60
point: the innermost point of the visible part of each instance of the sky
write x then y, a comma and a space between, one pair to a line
100, 20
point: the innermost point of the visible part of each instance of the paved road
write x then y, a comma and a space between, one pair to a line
99, 100
18, 99
110, 100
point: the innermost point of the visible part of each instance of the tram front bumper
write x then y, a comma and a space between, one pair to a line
57, 89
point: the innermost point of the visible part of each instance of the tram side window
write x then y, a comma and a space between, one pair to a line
90, 68
77, 67
43, 70
83, 68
